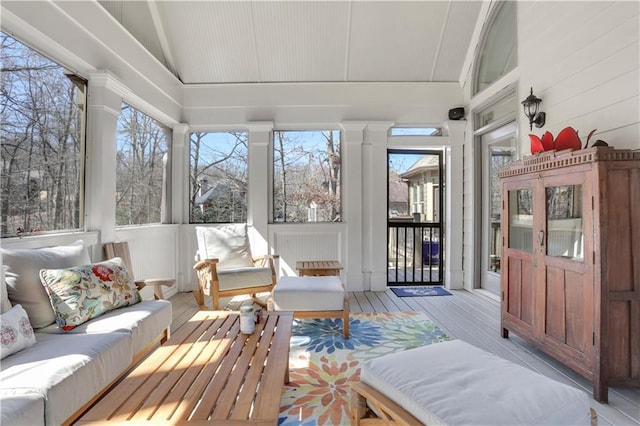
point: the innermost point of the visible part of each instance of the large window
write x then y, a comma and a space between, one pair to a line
415, 131
498, 54
42, 138
306, 176
218, 177
142, 157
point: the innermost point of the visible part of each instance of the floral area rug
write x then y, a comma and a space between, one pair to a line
322, 363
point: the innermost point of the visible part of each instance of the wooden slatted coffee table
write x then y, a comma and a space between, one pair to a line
207, 372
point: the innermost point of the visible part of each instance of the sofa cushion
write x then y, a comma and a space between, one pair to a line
81, 293
16, 332
22, 407
22, 269
227, 243
68, 369
144, 321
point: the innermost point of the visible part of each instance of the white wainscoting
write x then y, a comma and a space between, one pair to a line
296, 245
154, 254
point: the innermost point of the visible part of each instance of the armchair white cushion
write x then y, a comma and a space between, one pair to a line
227, 243
225, 266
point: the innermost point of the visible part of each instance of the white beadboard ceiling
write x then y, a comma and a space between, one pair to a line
247, 41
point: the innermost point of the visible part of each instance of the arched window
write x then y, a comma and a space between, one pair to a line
498, 50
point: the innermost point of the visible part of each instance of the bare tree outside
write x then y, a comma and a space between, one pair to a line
306, 176
141, 149
218, 174
42, 120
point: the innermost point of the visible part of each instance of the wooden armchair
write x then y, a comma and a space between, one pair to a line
225, 266
121, 250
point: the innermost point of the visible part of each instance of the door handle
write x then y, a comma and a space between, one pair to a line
541, 237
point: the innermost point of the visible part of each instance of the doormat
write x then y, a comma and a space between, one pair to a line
420, 291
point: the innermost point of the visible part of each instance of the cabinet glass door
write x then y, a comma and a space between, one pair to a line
566, 290
521, 220
564, 222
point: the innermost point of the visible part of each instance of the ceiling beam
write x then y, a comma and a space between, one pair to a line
162, 37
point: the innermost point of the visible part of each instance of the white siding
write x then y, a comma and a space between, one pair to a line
582, 59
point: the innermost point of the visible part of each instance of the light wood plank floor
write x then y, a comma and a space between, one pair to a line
474, 318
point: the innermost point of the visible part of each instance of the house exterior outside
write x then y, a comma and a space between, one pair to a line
423, 180
580, 56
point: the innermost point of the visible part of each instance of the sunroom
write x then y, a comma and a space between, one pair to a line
371, 133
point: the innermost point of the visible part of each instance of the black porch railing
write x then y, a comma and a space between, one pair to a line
414, 253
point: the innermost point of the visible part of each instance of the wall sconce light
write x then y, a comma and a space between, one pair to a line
531, 105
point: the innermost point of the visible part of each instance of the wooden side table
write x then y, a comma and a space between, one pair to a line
318, 267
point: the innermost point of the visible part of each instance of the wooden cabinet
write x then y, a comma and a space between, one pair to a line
571, 260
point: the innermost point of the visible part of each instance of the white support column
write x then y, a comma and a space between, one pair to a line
258, 205
104, 103
352, 201
374, 217
454, 277
180, 174
180, 201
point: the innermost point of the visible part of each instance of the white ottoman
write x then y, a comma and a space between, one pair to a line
455, 383
313, 297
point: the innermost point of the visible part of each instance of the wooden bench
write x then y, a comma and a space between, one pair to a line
456, 383
312, 297
206, 372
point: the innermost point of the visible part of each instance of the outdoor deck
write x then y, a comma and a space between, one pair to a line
474, 318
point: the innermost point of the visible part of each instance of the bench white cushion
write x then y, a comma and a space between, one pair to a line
309, 294
455, 383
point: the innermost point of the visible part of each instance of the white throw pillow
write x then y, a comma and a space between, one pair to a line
5, 304
15, 331
22, 274
227, 243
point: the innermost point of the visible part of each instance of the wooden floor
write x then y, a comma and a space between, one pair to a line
475, 318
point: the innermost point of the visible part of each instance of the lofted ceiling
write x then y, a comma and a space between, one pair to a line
248, 41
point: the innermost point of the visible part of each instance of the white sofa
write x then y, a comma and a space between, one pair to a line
51, 381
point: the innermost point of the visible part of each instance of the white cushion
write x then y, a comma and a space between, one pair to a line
144, 321
16, 331
231, 279
67, 369
456, 383
5, 304
227, 243
309, 294
22, 269
22, 407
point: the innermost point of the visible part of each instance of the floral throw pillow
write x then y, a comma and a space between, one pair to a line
15, 331
84, 292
